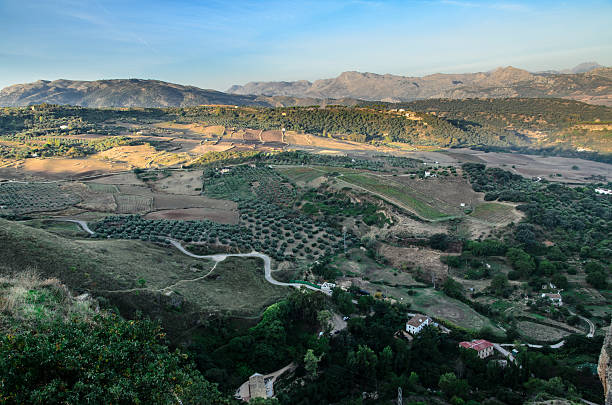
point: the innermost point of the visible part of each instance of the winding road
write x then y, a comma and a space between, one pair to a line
81, 223
216, 258
266, 259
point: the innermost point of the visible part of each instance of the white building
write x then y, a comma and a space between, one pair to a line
327, 287
555, 298
484, 348
603, 191
417, 323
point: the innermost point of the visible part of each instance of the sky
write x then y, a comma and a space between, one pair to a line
215, 44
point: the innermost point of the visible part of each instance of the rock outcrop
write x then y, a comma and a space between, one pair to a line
604, 368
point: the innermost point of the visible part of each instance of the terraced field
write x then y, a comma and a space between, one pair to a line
496, 213
133, 203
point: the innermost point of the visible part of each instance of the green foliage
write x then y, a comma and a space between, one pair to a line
453, 288
452, 386
521, 261
100, 361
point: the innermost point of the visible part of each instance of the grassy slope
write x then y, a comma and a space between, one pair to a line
395, 192
102, 265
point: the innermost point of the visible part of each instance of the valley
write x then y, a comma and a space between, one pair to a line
217, 219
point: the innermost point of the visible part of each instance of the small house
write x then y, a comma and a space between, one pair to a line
327, 287
484, 348
555, 298
417, 323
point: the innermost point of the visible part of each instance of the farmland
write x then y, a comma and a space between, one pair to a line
395, 193
23, 198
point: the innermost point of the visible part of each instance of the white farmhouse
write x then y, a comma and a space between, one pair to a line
417, 323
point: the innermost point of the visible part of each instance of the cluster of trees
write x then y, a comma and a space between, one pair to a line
101, 360
523, 113
366, 361
334, 206
575, 219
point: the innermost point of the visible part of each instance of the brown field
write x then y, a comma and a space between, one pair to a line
135, 190
272, 136
60, 168
143, 156
415, 258
121, 178
92, 199
215, 215
295, 139
187, 183
533, 166
133, 204
252, 135
171, 202
201, 148
193, 129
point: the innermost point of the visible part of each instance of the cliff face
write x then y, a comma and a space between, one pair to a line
604, 367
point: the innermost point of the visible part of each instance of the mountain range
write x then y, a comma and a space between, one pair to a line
135, 93
588, 82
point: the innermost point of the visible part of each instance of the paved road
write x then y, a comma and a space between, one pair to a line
83, 224
266, 259
591, 324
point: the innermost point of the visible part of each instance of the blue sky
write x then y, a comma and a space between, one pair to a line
214, 44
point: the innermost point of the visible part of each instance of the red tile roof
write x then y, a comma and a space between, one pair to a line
477, 345
417, 320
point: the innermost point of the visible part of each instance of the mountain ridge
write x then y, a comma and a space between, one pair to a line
136, 93
593, 86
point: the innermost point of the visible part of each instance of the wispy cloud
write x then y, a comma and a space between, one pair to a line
495, 5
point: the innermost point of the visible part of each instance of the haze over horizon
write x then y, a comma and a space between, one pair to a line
216, 45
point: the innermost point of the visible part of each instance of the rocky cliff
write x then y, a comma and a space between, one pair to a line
604, 367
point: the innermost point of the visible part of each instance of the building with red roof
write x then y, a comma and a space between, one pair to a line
484, 348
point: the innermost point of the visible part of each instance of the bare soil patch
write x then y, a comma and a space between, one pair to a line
215, 215
418, 259
133, 204
61, 168
187, 183
121, 178
143, 156
171, 201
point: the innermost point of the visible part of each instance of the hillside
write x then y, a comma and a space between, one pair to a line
133, 93
594, 86
546, 126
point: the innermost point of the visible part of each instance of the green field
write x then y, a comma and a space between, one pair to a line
300, 174
236, 287
438, 305
396, 192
